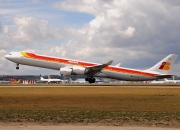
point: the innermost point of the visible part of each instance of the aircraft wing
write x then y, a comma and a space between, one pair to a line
96, 69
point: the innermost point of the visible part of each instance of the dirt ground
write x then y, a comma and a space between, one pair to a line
144, 108
17, 126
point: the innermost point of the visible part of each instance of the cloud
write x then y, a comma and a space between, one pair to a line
28, 32
30, 28
79, 5
0, 28
126, 25
129, 32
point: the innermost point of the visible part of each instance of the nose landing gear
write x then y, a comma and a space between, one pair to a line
17, 67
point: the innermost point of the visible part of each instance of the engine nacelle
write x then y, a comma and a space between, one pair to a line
76, 70
66, 71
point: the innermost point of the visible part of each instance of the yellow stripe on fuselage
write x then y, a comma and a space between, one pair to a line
24, 54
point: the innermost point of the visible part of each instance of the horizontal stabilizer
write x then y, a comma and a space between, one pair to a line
164, 76
118, 65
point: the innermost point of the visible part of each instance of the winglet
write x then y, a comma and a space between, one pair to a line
104, 65
109, 63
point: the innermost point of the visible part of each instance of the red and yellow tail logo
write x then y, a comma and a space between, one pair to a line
165, 66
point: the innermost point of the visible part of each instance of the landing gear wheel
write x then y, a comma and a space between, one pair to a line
90, 80
17, 67
86, 79
93, 80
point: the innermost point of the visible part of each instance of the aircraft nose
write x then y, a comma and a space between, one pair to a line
7, 56
12, 56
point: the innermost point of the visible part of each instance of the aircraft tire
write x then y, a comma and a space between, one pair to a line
91, 80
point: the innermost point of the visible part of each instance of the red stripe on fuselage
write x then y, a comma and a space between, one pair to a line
86, 64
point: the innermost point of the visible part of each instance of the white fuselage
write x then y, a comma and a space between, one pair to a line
126, 74
55, 63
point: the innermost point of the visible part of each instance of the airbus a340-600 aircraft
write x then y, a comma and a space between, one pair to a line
69, 67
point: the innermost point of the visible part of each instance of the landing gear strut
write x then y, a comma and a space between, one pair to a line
90, 79
17, 67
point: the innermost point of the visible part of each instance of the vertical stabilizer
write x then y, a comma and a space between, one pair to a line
49, 77
41, 78
164, 66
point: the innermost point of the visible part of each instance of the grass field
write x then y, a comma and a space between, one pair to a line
106, 105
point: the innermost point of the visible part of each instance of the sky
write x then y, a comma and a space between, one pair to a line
135, 33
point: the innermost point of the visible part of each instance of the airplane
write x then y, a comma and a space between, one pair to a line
158, 82
171, 81
68, 67
4, 82
49, 80
77, 81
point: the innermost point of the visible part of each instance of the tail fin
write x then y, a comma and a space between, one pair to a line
164, 66
49, 77
165, 79
41, 78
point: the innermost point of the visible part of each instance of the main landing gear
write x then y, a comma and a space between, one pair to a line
90, 79
17, 67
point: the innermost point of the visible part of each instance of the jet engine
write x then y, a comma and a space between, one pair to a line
66, 71
76, 70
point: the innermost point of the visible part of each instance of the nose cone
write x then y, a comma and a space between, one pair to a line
7, 56
13, 56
